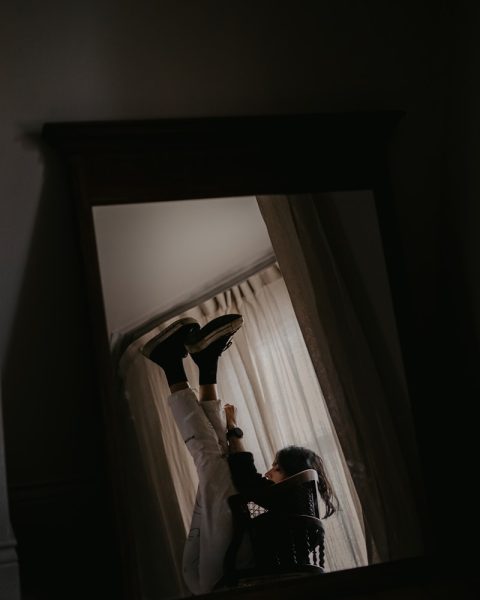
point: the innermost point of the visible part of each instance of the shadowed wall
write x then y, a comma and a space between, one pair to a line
102, 60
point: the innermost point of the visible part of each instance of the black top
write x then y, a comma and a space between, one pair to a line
281, 538
251, 485
245, 476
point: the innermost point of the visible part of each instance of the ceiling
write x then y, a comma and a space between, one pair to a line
156, 256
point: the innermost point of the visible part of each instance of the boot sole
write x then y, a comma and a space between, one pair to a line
228, 328
148, 348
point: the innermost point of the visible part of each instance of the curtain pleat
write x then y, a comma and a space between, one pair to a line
365, 394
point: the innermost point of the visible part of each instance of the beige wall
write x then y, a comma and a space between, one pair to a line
155, 257
118, 60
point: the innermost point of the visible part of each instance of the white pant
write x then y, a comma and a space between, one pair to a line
203, 429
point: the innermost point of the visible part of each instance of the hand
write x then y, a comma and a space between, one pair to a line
231, 415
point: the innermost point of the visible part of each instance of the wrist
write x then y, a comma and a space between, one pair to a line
234, 432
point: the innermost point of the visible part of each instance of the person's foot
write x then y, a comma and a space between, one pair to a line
169, 345
205, 345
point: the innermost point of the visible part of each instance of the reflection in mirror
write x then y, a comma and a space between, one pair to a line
202, 259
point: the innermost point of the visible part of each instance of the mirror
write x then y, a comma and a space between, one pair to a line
168, 162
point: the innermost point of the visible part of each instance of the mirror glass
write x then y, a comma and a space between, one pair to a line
203, 259
155, 257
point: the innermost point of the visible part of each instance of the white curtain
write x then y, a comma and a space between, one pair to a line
268, 375
331, 254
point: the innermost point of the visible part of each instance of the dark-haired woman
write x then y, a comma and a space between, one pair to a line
287, 462
214, 444
269, 533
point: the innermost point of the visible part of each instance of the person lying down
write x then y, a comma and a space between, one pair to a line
224, 467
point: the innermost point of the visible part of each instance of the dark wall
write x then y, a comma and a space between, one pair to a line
59, 492
442, 286
101, 60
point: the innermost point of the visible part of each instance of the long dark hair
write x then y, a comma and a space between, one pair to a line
294, 459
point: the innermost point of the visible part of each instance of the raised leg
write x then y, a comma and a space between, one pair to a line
203, 430
211, 526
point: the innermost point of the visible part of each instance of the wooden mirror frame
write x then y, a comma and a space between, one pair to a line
152, 161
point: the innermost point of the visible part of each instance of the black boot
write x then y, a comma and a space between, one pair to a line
207, 344
167, 349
